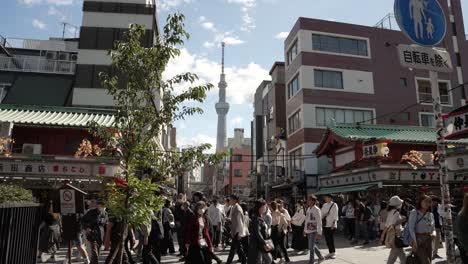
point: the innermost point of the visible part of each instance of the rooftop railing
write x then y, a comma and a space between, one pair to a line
36, 44
36, 64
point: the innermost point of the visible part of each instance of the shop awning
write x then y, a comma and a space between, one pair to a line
347, 189
56, 116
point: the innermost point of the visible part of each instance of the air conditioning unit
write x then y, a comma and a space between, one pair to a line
74, 57
32, 149
64, 56
51, 55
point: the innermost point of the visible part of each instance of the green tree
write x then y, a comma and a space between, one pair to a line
146, 104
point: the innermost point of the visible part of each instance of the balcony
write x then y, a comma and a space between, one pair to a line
36, 64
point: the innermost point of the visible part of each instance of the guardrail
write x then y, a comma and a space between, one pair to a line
36, 64
38, 44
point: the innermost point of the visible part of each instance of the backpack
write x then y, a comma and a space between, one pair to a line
406, 236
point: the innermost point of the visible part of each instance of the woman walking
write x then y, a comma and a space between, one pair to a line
198, 240
422, 229
50, 238
299, 243
259, 245
393, 230
462, 230
278, 227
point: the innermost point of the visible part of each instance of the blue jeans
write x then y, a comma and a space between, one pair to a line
313, 247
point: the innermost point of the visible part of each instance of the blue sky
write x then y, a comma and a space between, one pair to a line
250, 27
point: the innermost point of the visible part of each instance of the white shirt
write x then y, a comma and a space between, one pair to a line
215, 214
393, 219
330, 211
313, 221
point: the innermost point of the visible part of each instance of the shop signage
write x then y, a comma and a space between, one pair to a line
424, 58
375, 150
457, 124
11, 167
419, 176
67, 201
457, 163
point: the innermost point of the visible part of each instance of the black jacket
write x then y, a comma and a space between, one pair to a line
258, 235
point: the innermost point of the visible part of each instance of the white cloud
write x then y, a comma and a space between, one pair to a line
60, 2
236, 121
220, 36
209, 26
282, 35
39, 24
165, 5
30, 2
233, 41
248, 23
53, 11
197, 140
242, 81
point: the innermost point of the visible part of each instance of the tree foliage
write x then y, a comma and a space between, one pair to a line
147, 105
14, 193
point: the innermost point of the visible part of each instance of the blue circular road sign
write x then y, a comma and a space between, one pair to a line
423, 21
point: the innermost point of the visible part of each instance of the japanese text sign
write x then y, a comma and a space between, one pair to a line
425, 58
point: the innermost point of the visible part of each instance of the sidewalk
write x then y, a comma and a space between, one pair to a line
346, 254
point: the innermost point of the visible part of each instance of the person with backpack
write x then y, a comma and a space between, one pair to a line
363, 214
421, 226
392, 230
330, 223
93, 222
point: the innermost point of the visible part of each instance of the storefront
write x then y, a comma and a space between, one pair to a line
367, 161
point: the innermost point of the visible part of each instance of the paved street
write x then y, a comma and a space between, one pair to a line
346, 254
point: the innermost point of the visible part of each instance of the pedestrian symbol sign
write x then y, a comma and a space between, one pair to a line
423, 21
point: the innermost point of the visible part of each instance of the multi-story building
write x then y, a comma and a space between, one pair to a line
345, 73
49, 90
240, 165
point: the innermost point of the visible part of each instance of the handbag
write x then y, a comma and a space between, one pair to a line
390, 237
399, 242
412, 259
270, 244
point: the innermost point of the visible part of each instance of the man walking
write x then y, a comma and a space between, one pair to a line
313, 228
93, 223
215, 216
330, 220
237, 230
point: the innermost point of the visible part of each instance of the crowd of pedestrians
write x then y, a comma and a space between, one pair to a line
261, 232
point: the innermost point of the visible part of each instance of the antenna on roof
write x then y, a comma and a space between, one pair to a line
65, 25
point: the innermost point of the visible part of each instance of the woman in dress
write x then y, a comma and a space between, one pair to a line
422, 229
258, 241
393, 229
198, 241
299, 242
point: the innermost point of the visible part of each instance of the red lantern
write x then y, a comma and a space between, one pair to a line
424, 188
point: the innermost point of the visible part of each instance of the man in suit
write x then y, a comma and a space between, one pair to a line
238, 230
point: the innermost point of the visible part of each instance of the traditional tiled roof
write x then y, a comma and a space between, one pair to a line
403, 134
55, 116
348, 133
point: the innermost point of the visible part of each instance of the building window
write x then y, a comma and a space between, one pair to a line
237, 158
294, 122
292, 53
427, 120
237, 173
296, 160
341, 45
293, 87
326, 116
425, 92
403, 82
328, 79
